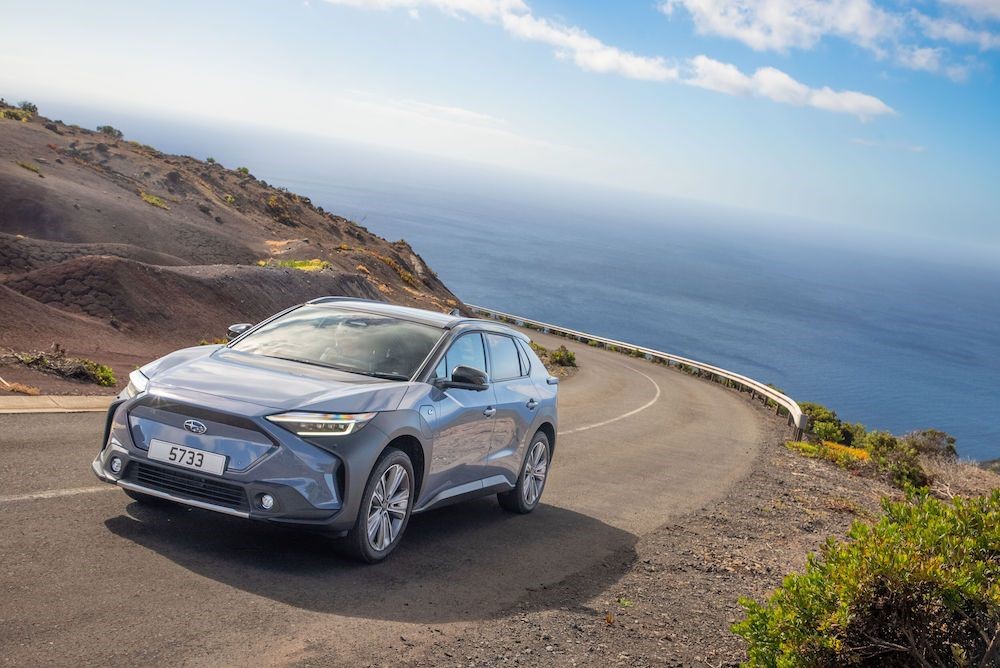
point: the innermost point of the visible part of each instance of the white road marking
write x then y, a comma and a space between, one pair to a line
54, 493
652, 401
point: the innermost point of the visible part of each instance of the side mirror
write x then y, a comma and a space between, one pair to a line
236, 330
465, 378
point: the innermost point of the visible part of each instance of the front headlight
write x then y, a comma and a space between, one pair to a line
137, 384
322, 424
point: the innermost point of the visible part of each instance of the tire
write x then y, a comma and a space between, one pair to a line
390, 517
148, 499
531, 483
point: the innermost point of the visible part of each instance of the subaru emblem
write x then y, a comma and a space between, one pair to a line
195, 427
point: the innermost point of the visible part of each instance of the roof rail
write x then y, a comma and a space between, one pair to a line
335, 298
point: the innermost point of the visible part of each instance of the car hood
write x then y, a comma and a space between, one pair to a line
270, 382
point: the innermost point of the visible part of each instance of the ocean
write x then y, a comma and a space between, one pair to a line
892, 342
898, 335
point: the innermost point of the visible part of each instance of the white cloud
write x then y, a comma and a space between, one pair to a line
931, 59
718, 76
592, 55
480, 9
779, 25
983, 9
778, 86
589, 53
947, 30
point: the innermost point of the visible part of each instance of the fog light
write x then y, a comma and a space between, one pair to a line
116, 465
267, 501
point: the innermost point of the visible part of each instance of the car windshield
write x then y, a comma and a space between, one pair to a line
358, 342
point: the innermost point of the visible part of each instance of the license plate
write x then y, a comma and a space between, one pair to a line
189, 458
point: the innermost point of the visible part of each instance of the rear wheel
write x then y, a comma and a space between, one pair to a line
385, 508
530, 484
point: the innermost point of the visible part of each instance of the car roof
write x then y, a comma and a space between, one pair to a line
423, 316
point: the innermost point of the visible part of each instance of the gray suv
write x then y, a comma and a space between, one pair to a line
340, 414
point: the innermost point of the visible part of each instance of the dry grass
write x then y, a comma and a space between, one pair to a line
21, 388
30, 167
959, 477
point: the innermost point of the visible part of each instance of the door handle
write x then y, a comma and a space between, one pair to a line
532, 404
490, 412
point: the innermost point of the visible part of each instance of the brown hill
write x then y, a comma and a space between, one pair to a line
116, 250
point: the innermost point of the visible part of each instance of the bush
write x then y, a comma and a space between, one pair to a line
57, 362
245, 171
825, 424
29, 107
153, 200
920, 587
897, 459
210, 160
110, 131
15, 115
563, 356
842, 455
932, 442
828, 431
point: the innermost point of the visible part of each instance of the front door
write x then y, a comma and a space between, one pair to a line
463, 421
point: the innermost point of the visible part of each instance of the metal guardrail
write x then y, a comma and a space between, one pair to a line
796, 418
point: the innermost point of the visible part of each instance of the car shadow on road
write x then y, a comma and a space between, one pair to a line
465, 562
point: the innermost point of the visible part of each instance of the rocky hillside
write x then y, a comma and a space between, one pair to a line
120, 253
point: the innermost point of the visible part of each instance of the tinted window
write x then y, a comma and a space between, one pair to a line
467, 350
503, 354
525, 364
352, 341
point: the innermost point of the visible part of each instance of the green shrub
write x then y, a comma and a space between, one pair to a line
210, 160
110, 131
100, 373
245, 171
229, 199
828, 431
15, 115
932, 442
153, 200
563, 356
921, 587
29, 107
898, 459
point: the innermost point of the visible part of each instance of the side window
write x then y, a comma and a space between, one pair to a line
467, 350
523, 357
504, 354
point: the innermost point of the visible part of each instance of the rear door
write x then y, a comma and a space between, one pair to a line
516, 400
463, 420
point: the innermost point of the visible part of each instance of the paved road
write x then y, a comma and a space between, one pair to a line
90, 577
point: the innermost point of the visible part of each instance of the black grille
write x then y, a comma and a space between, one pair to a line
187, 485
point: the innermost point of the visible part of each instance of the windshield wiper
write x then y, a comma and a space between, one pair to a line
375, 374
340, 367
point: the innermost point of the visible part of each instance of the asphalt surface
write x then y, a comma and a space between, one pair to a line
90, 577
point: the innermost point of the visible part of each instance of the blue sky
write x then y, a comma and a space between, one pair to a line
844, 113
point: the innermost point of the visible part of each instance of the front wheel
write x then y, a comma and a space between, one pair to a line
385, 508
530, 484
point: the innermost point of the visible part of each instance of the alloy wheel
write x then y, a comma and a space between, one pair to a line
388, 507
536, 467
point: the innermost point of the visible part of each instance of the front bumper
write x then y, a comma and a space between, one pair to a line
308, 483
